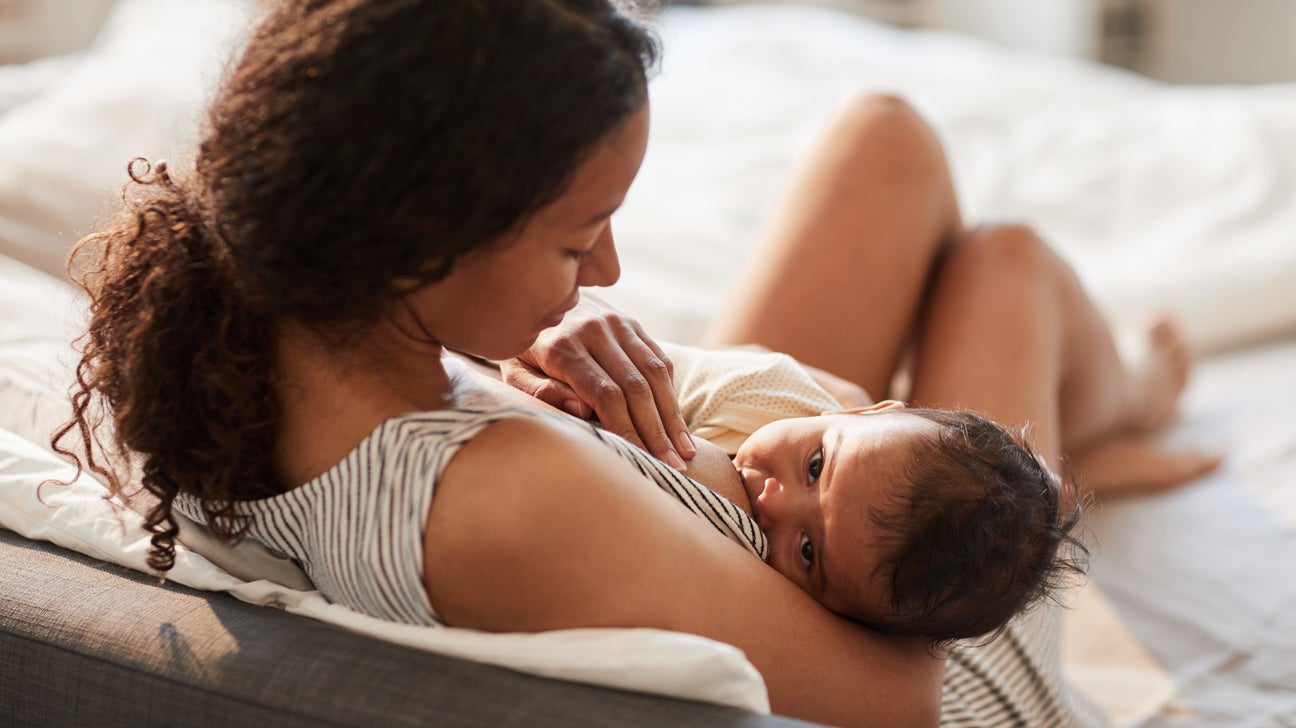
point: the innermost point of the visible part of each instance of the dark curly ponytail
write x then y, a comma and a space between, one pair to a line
180, 361
354, 144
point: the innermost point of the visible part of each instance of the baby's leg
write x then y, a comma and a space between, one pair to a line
1010, 332
839, 278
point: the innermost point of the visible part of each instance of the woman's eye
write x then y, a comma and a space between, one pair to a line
807, 551
816, 466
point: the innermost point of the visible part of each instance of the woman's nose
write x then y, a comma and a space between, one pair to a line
601, 267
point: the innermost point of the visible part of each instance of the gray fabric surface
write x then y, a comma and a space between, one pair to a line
85, 643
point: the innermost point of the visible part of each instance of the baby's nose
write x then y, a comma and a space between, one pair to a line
772, 505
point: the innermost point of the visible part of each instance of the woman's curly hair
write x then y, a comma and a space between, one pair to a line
353, 143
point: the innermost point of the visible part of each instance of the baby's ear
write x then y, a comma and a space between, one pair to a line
883, 406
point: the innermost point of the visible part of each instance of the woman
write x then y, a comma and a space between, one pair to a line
383, 181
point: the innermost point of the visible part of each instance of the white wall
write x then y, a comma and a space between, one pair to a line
1068, 27
1213, 41
1184, 41
31, 29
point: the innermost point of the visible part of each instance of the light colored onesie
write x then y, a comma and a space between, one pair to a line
726, 395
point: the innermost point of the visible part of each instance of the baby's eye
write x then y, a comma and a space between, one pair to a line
807, 551
816, 466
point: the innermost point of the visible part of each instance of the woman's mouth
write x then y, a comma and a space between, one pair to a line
557, 316
552, 320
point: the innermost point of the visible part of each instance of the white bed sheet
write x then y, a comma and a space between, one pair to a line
1205, 577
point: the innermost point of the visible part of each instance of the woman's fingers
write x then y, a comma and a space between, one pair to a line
526, 378
601, 360
663, 381
643, 374
629, 386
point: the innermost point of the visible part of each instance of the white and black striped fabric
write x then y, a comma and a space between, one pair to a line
357, 529
1016, 681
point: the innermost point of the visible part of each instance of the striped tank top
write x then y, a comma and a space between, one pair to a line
357, 529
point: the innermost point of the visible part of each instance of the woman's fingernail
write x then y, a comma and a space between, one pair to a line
572, 407
686, 443
673, 459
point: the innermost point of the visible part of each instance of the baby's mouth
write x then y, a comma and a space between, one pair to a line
754, 484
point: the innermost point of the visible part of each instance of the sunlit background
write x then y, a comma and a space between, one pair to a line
1182, 41
1171, 191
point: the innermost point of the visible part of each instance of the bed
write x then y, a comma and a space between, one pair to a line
1178, 199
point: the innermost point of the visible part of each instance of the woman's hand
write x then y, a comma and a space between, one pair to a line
599, 362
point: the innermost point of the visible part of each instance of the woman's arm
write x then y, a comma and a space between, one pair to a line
561, 533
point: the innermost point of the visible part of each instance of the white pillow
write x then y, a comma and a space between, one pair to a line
38, 317
137, 92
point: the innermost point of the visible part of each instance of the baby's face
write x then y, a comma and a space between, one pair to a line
814, 485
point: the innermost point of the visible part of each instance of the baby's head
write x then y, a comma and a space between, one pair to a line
912, 521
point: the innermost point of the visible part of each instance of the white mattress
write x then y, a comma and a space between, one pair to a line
1163, 198
1206, 577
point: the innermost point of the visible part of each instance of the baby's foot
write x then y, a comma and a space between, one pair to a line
1158, 375
1138, 465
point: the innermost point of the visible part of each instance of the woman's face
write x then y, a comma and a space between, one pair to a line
495, 302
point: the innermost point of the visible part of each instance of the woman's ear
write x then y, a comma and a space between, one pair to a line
883, 406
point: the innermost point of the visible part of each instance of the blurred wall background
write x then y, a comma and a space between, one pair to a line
1181, 41
31, 29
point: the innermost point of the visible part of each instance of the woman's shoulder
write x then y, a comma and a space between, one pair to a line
563, 535
417, 434
420, 443
447, 424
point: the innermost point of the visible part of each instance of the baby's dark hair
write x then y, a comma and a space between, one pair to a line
979, 536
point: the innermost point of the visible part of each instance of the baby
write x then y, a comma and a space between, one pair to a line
911, 521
